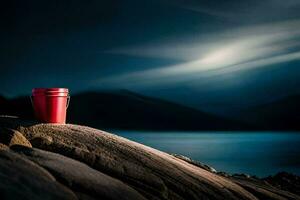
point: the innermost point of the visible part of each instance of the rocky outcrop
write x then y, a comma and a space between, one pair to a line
193, 162
285, 181
21, 178
11, 137
79, 177
3, 147
87, 163
262, 189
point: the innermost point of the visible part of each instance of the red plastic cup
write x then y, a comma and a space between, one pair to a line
50, 104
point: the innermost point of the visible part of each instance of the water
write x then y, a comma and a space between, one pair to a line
254, 153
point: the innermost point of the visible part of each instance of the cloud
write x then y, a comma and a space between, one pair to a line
241, 11
187, 49
227, 52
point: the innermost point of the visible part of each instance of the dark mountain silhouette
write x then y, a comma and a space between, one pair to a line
283, 114
127, 110
20, 107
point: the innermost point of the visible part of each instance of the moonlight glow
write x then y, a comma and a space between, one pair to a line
220, 56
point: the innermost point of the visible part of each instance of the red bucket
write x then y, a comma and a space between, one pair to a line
50, 104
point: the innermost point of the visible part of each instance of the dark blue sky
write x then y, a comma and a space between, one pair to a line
213, 55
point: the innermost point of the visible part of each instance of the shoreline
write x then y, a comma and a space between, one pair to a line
79, 162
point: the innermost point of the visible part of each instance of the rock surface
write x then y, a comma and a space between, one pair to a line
87, 163
193, 162
285, 181
78, 176
23, 179
11, 137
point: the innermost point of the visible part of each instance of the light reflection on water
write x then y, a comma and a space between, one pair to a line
254, 153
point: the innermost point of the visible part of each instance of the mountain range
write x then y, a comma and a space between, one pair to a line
123, 109
282, 114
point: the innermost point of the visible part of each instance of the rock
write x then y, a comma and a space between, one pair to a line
193, 162
80, 177
262, 190
285, 181
3, 147
152, 173
19, 139
12, 137
241, 175
41, 140
223, 174
155, 174
23, 179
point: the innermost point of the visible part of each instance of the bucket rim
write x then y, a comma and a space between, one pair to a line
49, 90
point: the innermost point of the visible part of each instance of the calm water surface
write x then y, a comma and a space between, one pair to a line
255, 153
